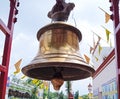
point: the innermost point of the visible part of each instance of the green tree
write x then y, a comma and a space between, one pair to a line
85, 97
61, 95
45, 94
76, 95
33, 96
53, 95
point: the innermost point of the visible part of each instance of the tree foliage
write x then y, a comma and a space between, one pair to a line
76, 95
61, 95
56, 95
85, 97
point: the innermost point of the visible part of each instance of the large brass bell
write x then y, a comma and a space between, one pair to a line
58, 55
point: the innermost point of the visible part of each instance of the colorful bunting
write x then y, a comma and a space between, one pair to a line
17, 66
108, 41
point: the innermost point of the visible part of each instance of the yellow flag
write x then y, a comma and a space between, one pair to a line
87, 58
99, 49
17, 66
23, 77
41, 86
93, 40
80, 97
96, 58
107, 34
107, 17
110, 43
46, 85
90, 95
34, 81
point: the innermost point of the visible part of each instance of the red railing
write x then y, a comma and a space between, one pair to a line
115, 9
8, 32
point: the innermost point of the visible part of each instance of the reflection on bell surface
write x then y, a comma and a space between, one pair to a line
58, 53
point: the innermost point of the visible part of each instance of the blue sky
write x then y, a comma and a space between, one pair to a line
33, 15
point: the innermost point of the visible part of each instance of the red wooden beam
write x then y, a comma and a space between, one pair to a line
117, 30
118, 61
4, 28
2, 68
7, 47
115, 8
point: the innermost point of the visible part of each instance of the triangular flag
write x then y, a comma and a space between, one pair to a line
93, 40
107, 34
17, 66
46, 84
107, 17
99, 38
110, 43
99, 49
91, 49
41, 86
87, 58
96, 58
23, 77
34, 81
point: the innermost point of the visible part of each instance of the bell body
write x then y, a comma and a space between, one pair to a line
58, 52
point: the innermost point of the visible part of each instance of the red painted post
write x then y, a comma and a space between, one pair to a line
7, 47
115, 9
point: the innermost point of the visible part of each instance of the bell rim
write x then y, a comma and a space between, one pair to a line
85, 68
